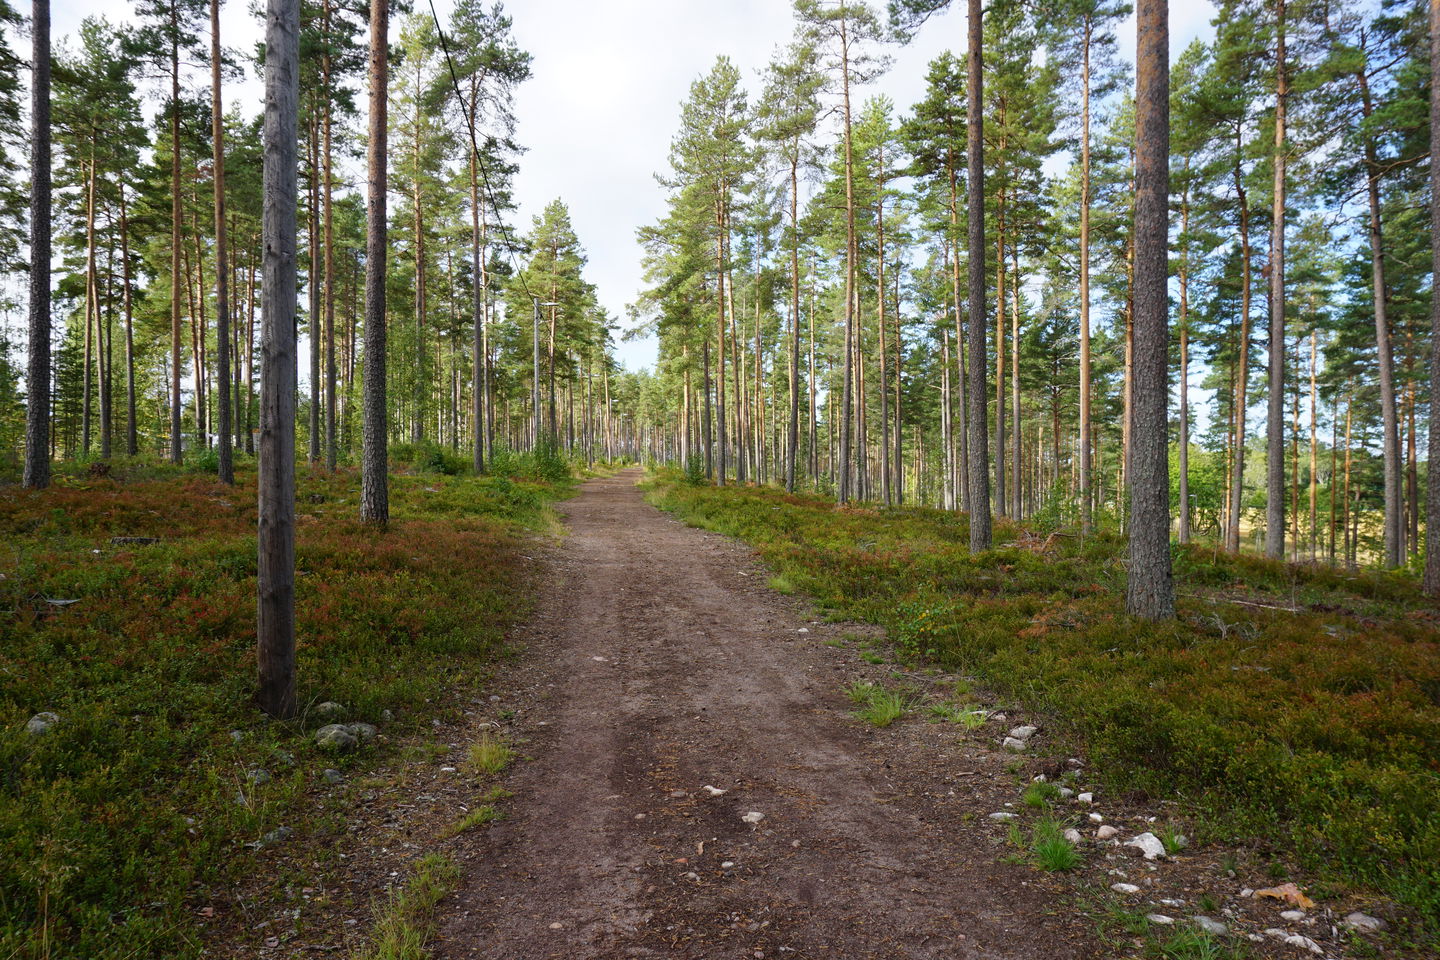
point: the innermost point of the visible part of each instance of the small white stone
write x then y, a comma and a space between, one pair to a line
1213, 927
1105, 832
557, 925
1002, 815
1160, 918
1066, 793
1364, 923
1148, 844
1073, 835
1294, 916
1023, 732
1085, 798
1013, 744
1125, 888
1305, 943
714, 791
727, 864
1096, 818
1247, 893
753, 817
448, 770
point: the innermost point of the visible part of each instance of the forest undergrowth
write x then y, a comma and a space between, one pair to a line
1292, 707
127, 606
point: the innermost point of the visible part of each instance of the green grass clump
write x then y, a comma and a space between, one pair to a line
1190, 944
1040, 794
139, 803
406, 920
1051, 850
1319, 728
878, 706
491, 754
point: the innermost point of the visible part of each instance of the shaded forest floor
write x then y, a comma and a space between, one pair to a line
1291, 711
137, 824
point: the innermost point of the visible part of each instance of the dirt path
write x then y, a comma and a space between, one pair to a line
660, 664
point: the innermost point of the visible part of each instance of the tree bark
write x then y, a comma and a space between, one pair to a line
374, 458
1150, 591
275, 582
222, 265
37, 374
331, 375
1086, 501
132, 438
1432, 496
979, 478
176, 450
1275, 425
793, 445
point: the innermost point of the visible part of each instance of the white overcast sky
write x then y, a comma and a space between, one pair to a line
598, 115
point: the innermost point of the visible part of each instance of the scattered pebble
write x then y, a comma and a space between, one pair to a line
727, 864
1211, 926
1002, 815
1073, 835
714, 791
1066, 793
1085, 798
1364, 923
1013, 744
1305, 943
1125, 888
1160, 918
557, 925
753, 817
1148, 844
328, 709
1294, 916
1106, 832
333, 776
1023, 733
1096, 818
449, 770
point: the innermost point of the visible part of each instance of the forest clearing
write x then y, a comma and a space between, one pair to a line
968, 495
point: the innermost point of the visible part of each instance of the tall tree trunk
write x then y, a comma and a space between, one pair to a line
275, 582
1392, 529
313, 280
1086, 500
1275, 425
132, 436
37, 373
1242, 373
1184, 464
92, 302
979, 478
851, 252
331, 374
222, 263
794, 438
1432, 494
1017, 506
1001, 499
374, 457
1314, 455
176, 450
479, 288
1150, 591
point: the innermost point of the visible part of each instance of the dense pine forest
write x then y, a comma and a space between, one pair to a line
807, 282
1082, 408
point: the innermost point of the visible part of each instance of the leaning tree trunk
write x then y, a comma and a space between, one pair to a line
979, 443
374, 457
1150, 591
222, 267
1432, 495
275, 581
1275, 427
37, 404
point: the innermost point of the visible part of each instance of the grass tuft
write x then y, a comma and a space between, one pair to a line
491, 754
1051, 850
405, 922
1040, 794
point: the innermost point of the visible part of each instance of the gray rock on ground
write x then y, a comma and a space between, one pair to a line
336, 737
1364, 923
41, 723
1013, 744
1149, 845
328, 709
1211, 926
